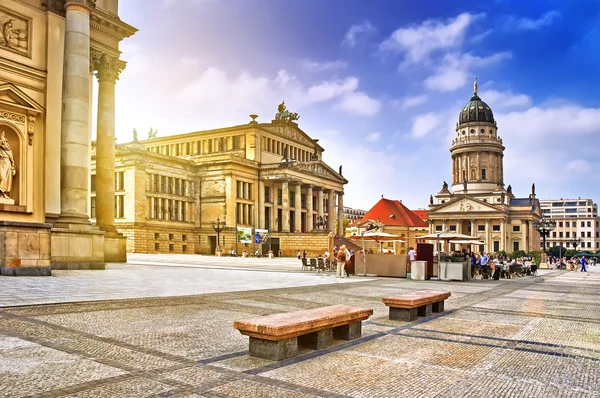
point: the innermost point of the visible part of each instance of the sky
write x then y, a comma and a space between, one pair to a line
379, 83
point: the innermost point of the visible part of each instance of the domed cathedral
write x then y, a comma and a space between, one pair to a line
478, 203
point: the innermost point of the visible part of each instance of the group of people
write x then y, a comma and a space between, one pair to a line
341, 258
498, 266
572, 264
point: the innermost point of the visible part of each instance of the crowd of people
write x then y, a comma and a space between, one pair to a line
572, 264
497, 266
342, 258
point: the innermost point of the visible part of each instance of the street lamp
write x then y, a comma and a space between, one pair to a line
218, 226
544, 227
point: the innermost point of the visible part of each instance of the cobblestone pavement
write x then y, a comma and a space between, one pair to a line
529, 337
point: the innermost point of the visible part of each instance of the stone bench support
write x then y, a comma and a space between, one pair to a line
407, 307
277, 337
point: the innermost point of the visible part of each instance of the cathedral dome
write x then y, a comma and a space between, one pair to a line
475, 111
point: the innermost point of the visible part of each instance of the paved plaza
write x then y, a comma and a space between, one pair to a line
170, 334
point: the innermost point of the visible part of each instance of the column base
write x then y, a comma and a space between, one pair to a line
24, 249
73, 221
76, 249
115, 247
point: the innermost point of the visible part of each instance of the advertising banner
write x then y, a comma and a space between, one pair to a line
244, 235
261, 235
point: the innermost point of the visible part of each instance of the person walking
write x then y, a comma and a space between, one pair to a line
341, 262
583, 263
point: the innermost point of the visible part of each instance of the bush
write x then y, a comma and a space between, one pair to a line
518, 254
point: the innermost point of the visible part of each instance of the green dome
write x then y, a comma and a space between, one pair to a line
475, 111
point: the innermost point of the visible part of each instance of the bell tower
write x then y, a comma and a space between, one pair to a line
477, 150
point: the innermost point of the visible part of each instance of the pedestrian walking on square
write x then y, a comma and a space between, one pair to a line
341, 262
299, 255
583, 262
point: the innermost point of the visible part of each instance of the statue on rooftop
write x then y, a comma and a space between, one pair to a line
135, 139
340, 169
445, 186
475, 86
284, 115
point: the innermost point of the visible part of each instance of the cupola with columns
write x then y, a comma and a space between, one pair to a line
477, 150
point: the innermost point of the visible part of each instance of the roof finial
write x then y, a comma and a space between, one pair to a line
475, 87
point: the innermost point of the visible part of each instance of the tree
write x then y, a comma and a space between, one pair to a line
518, 254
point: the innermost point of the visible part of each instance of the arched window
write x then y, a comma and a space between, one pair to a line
482, 131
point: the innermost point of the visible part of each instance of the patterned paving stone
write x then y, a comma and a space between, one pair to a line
249, 388
27, 368
132, 388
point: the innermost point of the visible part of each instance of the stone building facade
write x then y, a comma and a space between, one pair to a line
49, 54
259, 175
478, 204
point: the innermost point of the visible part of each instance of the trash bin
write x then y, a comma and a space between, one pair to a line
418, 270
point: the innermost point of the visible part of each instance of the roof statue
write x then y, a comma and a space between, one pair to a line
475, 86
135, 139
284, 115
340, 169
152, 133
509, 190
445, 186
533, 189
430, 199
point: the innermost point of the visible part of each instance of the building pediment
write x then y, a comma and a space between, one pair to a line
464, 204
319, 169
290, 131
10, 95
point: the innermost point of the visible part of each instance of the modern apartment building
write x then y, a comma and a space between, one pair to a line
569, 208
353, 215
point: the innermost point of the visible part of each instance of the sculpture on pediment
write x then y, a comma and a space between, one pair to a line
7, 167
13, 33
284, 115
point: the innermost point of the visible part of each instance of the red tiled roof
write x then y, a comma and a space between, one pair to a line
392, 212
423, 214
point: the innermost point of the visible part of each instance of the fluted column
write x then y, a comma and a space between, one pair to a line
261, 205
331, 210
107, 71
340, 214
74, 162
524, 236
298, 207
285, 203
503, 234
309, 208
488, 236
320, 212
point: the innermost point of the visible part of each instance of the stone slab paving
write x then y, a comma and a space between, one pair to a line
529, 337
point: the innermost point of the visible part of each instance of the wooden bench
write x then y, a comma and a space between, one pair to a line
407, 306
277, 336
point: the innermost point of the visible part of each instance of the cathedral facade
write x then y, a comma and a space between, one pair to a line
477, 202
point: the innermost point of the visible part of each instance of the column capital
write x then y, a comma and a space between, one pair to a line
81, 5
105, 66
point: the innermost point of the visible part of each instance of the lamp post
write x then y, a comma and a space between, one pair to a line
218, 226
544, 227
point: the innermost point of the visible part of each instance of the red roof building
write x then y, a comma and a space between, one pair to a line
423, 214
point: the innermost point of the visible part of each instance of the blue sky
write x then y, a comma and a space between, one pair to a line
380, 83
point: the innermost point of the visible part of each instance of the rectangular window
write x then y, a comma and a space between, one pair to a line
481, 228
93, 183
267, 194
582, 234
279, 197
156, 235
516, 228
177, 187
93, 207
183, 213
515, 246
568, 234
171, 248
119, 204
589, 244
314, 200
170, 236
567, 224
496, 246
303, 201
184, 249
176, 210
589, 224
560, 223
583, 223
560, 234
438, 228
496, 227
453, 228
157, 247
554, 234
589, 234
119, 181
483, 174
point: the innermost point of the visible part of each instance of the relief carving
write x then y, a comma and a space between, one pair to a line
14, 33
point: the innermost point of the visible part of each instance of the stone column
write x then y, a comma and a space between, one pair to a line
340, 214
74, 162
285, 204
298, 208
503, 234
524, 236
320, 211
309, 208
531, 238
331, 210
108, 69
488, 236
261, 205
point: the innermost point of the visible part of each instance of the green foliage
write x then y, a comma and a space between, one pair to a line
556, 251
537, 255
501, 253
518, 253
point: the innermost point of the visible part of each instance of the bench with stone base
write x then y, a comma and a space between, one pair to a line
407, 307
277, 336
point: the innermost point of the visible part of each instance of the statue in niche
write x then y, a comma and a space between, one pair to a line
7, 167
473, 176
465, 185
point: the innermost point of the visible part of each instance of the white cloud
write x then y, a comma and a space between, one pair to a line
533, 24
188, 62
361, 104
323, 66
373, 137
352, 36
331, 89
579, 166
418, 42
454, 70
410, 102
424, 124
481, 36
505, 99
